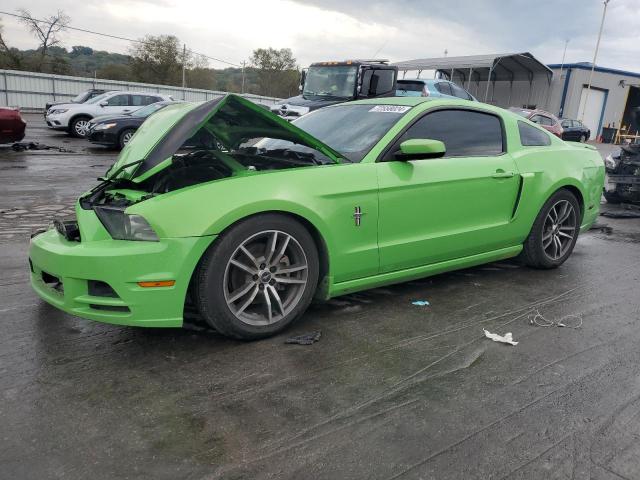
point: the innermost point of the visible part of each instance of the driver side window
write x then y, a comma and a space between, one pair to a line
465, 133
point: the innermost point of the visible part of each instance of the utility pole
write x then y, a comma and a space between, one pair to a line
593, 64
564, 54
184, 61
243, 65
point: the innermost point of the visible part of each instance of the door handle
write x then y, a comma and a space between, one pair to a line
502, 174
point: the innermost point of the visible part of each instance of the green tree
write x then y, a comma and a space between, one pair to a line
276, 71
157, 59
114, 71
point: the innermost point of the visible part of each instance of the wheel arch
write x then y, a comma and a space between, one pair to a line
324, 278
79, 115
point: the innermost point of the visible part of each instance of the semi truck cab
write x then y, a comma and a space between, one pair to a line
328, 83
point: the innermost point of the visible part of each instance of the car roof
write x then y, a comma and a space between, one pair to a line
424, 80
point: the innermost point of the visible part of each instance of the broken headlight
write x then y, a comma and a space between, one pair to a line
611, 161
125, 227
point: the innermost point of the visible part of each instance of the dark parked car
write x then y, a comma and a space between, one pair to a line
574, 130
11, 125
546, 120
80, 98
117, 130
623, 175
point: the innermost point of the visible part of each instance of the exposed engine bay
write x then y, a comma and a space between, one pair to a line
193, 166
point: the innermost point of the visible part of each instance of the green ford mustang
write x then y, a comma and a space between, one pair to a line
224, 208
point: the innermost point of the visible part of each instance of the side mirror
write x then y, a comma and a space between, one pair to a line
303, 77
420, 149
377, 82
103, 103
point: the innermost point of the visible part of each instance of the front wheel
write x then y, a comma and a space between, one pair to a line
125, 137
257, 277
79, 127
554, 233
583, 138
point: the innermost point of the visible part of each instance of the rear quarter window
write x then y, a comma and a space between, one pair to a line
532, 137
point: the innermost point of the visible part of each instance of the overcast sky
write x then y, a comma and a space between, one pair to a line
339, 29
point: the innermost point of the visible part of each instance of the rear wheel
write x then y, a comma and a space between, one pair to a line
79, 127
125, 137
554, 233
258, 277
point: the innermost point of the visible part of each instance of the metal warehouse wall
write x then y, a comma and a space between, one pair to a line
616, 95
30, 90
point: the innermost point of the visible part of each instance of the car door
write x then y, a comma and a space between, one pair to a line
117, 104
434, 210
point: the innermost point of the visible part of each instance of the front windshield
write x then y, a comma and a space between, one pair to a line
97, 99
330, 81
148, 110
80, 98
350, 129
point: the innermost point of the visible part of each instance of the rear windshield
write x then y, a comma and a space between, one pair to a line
409, 86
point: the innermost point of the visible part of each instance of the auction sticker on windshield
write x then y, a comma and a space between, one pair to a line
390, 109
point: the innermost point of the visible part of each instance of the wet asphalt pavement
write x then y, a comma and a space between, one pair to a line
391, 390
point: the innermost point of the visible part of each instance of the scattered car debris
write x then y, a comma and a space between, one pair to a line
420, 303
627, 213
306, 339
506, 338
536, 318
22, 146
603, 227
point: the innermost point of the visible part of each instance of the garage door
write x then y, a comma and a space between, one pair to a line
593, 112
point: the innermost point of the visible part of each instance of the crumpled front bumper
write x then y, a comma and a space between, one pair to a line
67, 275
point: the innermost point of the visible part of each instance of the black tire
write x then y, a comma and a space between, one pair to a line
211, 280
534, 254
583, 138
612, 197
124, 137
74, 127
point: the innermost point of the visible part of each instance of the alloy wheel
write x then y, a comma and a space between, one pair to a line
126, 137
265, 278
81, 127
559, 229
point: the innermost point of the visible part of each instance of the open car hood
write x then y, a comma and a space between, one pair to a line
231, 119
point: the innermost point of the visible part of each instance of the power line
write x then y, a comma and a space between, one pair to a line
113, 36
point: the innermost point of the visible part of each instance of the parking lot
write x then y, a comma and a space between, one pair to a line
391, 390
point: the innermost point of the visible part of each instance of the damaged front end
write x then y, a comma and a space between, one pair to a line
116, 262
190, 144
623, 175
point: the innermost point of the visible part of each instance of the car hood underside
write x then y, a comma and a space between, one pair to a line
227, 123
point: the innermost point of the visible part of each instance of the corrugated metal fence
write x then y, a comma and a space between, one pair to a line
31, 91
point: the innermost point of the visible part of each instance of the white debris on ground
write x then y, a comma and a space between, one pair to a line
507, 338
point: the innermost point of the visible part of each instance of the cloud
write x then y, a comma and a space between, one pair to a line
339, 29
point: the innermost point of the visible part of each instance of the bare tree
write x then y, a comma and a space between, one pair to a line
9, 57
46, 31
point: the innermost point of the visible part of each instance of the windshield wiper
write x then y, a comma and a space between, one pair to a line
109, 178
